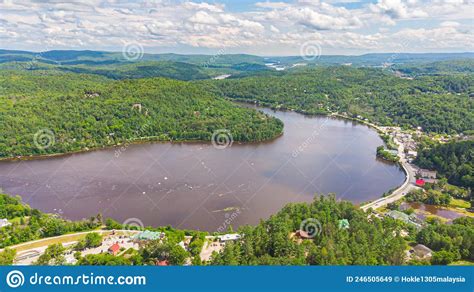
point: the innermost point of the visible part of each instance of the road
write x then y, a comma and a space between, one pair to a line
407, 186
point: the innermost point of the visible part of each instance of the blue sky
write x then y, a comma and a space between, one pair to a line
226, 26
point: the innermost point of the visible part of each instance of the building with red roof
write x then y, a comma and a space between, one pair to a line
162, 263
420, 182
114, 249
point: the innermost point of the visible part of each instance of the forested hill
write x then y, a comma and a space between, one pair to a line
438, 68
436, 103
72, 112
166, 69
454, 160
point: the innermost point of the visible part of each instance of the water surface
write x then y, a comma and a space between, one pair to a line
197, 186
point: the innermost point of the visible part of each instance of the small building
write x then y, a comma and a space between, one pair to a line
408, 219
148, 235
114, 249
430, 180
425, 173
229, 237
343, 224
302, 234
4, 223
392, 152
420, 182
182, 244
163, 263
422, 251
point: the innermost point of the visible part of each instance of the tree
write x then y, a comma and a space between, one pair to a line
93, 240
443, 257
7, 256
163, 250
103, 259
53, 256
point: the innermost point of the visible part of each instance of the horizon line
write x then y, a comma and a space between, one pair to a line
262, 56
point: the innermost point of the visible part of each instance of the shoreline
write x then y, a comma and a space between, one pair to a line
126, 144
150, 140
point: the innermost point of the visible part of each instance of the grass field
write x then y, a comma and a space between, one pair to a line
458, 203
462, 263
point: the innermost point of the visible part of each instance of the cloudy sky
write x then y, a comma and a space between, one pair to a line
245, 26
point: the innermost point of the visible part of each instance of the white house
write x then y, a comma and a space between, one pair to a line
4, 223
229, 237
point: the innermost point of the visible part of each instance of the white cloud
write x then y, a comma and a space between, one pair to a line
398, 9
267, 27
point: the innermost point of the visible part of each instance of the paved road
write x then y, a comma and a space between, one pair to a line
407, 186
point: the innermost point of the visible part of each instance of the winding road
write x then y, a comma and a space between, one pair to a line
407, 186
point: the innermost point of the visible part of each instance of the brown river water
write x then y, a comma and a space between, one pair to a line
196, 186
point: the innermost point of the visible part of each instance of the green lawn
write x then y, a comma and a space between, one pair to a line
462, 263
458, 203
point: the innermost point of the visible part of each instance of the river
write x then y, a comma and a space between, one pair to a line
196, 186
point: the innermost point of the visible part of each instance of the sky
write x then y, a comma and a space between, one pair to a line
348, 27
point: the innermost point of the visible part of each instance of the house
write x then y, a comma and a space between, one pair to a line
114, 249
397, 215
162, 263
420, 182
422, 251
425, 173
302, 234
4, 223
229, 237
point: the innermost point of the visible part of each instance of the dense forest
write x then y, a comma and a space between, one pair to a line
72, 112
450, 242
454, 160
437, 68
436, 103
366, 241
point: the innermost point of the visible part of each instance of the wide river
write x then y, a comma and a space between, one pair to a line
196, 186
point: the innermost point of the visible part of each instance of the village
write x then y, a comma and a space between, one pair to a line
119, 243
116, 243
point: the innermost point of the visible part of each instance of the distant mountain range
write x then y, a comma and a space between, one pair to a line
194, 67
71, 57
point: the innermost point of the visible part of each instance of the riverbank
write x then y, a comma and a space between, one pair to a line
138, 141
